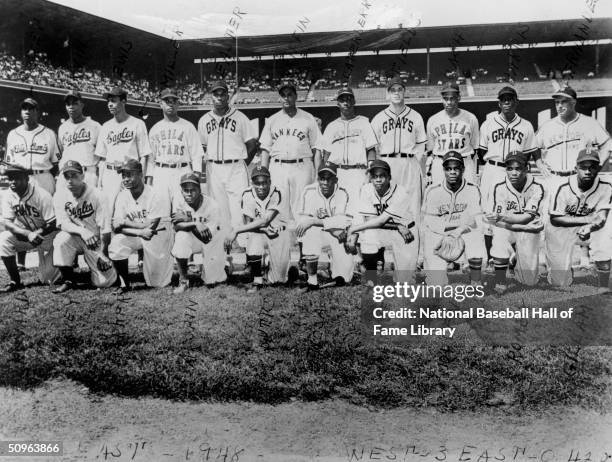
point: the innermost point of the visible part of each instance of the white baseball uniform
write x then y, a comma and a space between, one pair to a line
36, 150
33, 211
507, 200
403, 209
401, 142
458, 133
90, 209
334, 211
444, 210
176, 150
151, 204
78, 142
186, 244
279, 247
348, 142
290, 141
560, 241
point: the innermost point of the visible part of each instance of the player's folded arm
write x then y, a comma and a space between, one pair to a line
568, 221
13, 227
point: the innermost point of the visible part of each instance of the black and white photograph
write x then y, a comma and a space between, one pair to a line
283, 231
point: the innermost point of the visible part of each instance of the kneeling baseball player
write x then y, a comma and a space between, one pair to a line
514, 210
265, 213
136, 222
196, 219
29, 222
385, 217
578, 211
83, 217
322, 222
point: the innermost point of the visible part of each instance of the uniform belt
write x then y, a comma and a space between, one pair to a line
113, 167
562, 173
36, 172
349, 167
230, 161
166, 165
397, 154
291, 161
497, 164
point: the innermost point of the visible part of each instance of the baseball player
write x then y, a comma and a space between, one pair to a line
501, 134
139, 209
401, 136
322, 222
578, 211
514, 208
199, 229
265, 211
77, 138
29, 223
452, 129
386, 217
122, 137
452, 207
176, 147
350, 143
230, 142
84, 221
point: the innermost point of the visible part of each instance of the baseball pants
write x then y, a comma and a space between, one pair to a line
404, 255
279, 252
292, 179
213, 254
45, 180
170, 178
341, 263
491, 175
527, 247
10, 245
407, 173
352, 180
111, 184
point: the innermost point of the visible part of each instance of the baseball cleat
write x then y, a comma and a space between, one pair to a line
12, 286
490, 268
181, 288
21, 268
309, 288
254, 288
293, 275
500, 289
65, 287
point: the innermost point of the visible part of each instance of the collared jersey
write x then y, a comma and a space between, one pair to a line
225, 136
315, 204
348, 141
500, 137
506, 199
443, 209
208, 212
400, 133
33, 149
90, 208
560, 142
78, 141
255, 208
149, 205
570, 200
395, 202
121, 141
458, 133
32, 211
176, 142
290, 138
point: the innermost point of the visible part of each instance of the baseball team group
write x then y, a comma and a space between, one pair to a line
353, 190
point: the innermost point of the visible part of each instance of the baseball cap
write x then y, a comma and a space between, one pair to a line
260, 170
130, 165
507, 91
9, 169
450, 87
72, 166
73, 94
287, 85
345, 91
566, 92
328, 167
588, 154
515, 156
168, 93
377, 163
29, 102
452, 155
116, 91
190, 177
218, 84
395, 81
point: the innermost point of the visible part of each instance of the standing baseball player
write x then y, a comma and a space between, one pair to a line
77, 138
29, 223
401, 136
199, 229
230, 141
322, 222
176, 147
139, 210
578, 211
122, 137
453, 208
452, 129
350, 143
514, 208
386, 217
85, 224
500, 135
265, 213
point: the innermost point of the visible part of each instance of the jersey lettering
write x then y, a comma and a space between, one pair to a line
25, 210
227, 123
404, 123
300, 135
509, 134
125, 136
82, 136
85, 210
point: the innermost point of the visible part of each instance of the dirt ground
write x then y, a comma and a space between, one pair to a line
94, 427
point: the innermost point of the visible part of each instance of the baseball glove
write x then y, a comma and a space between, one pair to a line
103, 263
450, 248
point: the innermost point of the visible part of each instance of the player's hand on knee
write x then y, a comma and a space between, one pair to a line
147, 233
202, 232
35, 238
405, 233
584, 232
90, 239
103, 263
229, 240
351, 244
302, 227
271, 232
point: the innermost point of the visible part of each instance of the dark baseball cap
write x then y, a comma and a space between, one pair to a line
507, 91
219, 85
450, 87
73, 94
260, 170
345, 91
377, 163
452, 155
588, 154
287, 85
190, 177
14, 169
328, 167
565, 92
115, 91
72, 166
131, 165
516, 156
395, 81
29, 102
168, 93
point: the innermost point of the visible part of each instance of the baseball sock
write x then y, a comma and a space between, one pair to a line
181, 263
603, 272
369, 261
475, 269
67, 274
123, 270
488, 238
11, 269
21, 257
254, 262
312, 265
501, 265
